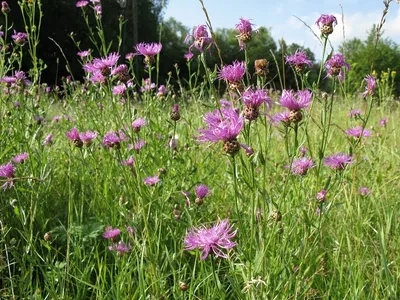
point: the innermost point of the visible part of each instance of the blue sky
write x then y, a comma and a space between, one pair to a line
359, 15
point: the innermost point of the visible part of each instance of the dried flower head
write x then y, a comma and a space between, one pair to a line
261, 67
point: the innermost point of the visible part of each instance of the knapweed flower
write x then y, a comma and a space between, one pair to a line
148, 51
326, 23
175, 114
201, 191
303, 151
338, 161
151, 180
383, 122
354, 113
162, 91
129, 162
261, 67
112, 140
371, 85
84, 53
130, 56
20, 158
139, 145
119, 89
121, 248
73, 135
111, 233
295, 102
335, 65
252, 101
245, 29
364, 191
200, 38
321, 196
138, 124
19, 38
247, 149
81, 3
215, 239
147, 85
279, 117
48, 140
301, 166
358, 132
224, 128
98, 9
101, 67
88, 137
5, 8
298, 60
7, 171
233, 74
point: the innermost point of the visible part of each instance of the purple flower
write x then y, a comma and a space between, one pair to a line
83, 54
20, 158
303, 150
129, 162
321, 196
358, 131
98, 9
151, 180
81, 3
255, 98
371, 85
5, 8
139, 145
48, 140
121, 248
7, 171
202, 191
215, 238
245, 32
201, 39
73, 134
326, 23
295, 101
234, 72
338, 161
137, 124
130, 56
364, 191
111, 233
88, 136
162, 91
383, 122
298, 60
354, 113
335, 65
188, 56
101, 67
148, 51
19, 38
119, 89
247, 149
111, 140
279, 117
56, 118
147, 85
300, 166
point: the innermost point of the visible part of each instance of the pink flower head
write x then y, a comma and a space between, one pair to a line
139, 145
111, 233
383, 122
48, 140
335, 65
137, 124
202, 191
354, 113
162, 91
298, 60
98, 9
221, 129
130, 56
295, 101
129, 162
371, 85
338, 161
119, 89
7, 171
301, 166
73, 134
326, 23
111, 140
147, 85
121, 248
100, 67
148, 51
364, 191
201, 39
88, 136
277, 118
256, 98
81, 3
214, 238
151, 180
234, 72
20, 158
120, 70
321, 196
245, 29
19, 38
358, 132
5, 8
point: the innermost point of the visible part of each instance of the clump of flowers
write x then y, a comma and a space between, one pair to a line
148, 51
298, 60
200, 38
7, 171
215, 239
245, 29
370, 87
224, 128
201, 191
326, 23
301, 166
252, 100
233, 74
338, 161
335, 66
295, 102
358, 132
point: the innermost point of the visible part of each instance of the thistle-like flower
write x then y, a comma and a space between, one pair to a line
200, 38
215, 239
148, 51
298, 60
252, 101
82, 3
175, 114
370, 87
335, 65
73, 135
5, 8
88, 137
112, 140
138, 124
20, 158
279, 117
338, 161
100, 68
111, 233
19, 38
201, 191
301, 166
354, 113
151, 180
358, 132
326, 23
295, 102
7, 171
245, 29
233, 74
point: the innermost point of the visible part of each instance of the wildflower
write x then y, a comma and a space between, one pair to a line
277, 118
326, 23
139, 145
130, 56
84, 53
151, 180
73, 135
245, 32
137, 124
224, 128
383, 122
338, 161
354, 113
5, 8
101, 67
371, 85
300, 166
201, 191
20, 158
98, 9
121, 248
17, 104
303, 151
111, 233
233, 74
298, 60
148, 51
201, 39
364, 191
248, 150
175, 115
188, 56
335, 65
119, 89
147, 85
111, 140
358, 132
252, 101
7, 171
122, 72
261, 67
19, 38
56, 118
87, 137
81, 3
162, 91
295, 102
48, 140
129, 162
321, 196
214, 238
